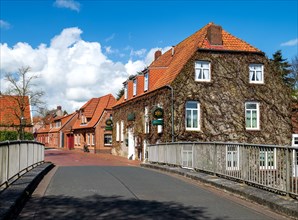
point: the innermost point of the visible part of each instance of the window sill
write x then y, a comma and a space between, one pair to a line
253, 82
203, 80
253, 129
190, 129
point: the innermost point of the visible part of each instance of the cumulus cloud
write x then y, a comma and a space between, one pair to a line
70, 4
293, 42
71, 70
4, 24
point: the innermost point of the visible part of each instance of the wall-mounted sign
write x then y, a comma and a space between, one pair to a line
108, 128
157, 112
157, 122
109, 122
131, 117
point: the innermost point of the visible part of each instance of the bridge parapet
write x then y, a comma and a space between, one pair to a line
17, 158
271, 167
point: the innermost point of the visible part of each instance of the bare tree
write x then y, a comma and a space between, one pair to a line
21, 90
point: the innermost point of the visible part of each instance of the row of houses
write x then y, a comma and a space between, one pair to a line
212, 86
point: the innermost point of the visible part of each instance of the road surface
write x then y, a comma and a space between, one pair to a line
111, 189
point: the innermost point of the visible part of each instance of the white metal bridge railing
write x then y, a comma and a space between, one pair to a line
269, 166
18, 157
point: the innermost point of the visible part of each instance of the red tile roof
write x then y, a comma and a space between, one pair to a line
165, 68
10, 111
93, 109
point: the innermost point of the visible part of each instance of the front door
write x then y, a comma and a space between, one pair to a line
131, 144
70, 141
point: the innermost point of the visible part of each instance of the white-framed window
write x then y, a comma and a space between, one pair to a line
107, 139
295, 140
93, 139
121, 130
192, 115
125, 91
117, 131
232, 157
252, 116
79, 139
146, 76
146, 120
295, 155
134, 91
268, 158
256, 73
202, 71
88, 139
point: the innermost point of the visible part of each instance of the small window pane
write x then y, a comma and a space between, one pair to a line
191, 105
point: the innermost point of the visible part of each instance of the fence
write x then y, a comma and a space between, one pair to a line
267, 166
18, 157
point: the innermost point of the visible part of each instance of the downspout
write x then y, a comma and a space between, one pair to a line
172, 110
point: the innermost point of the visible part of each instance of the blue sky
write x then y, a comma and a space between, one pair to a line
127, 32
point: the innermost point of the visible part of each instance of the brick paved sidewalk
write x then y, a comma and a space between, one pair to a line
61, 157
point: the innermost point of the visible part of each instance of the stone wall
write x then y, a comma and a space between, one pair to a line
222, 100
137, 106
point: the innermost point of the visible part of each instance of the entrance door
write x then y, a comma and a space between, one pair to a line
131, 144
70, 141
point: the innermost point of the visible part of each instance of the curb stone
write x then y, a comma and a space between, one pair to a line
15, 196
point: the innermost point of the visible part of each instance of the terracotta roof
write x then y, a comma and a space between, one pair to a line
94, 108
165, 68
10, 111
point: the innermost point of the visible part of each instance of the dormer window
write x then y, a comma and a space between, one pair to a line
125, 91
202, 71
134, 87
256, 73
145, 81
83, 119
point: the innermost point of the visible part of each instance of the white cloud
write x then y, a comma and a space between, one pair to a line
4, 24
71, 70
70, 4
138, 53
293, 42
110, 38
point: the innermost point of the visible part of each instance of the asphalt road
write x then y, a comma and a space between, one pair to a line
131, 192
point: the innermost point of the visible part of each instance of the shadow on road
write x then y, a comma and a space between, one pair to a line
100, 207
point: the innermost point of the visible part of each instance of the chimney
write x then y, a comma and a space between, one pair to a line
157, 54
214, 35
173, 50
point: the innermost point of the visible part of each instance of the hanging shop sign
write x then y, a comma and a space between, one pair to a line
108, 128
109, 124
157, 112
157, 122
131, 117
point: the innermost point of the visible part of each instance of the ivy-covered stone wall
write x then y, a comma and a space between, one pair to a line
222, 100
137, 106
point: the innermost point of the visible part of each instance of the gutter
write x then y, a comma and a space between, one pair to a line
172, 110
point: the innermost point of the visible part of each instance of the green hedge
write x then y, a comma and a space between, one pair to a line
13, 135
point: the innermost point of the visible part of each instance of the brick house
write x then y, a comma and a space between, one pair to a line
90, 125
45, 125
212, 86
60, 133
10, 114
